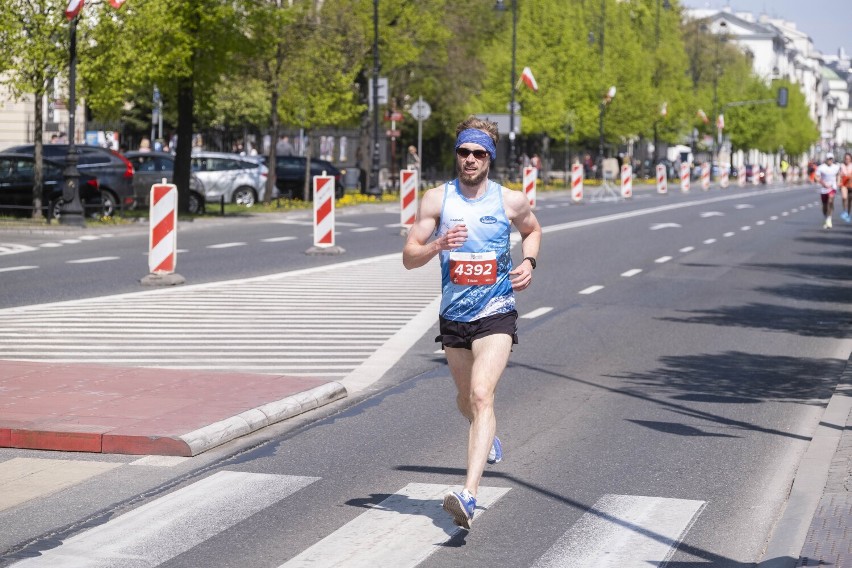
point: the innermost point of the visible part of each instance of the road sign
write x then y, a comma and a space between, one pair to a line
393, 133
421, 110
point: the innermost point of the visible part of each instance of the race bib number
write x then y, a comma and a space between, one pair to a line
473, 268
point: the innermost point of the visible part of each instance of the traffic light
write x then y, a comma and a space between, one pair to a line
782, 97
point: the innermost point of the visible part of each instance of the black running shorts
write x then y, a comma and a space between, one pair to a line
463, 333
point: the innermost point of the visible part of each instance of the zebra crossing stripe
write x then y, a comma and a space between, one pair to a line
401, 531
624, 531
170, 525
24, 479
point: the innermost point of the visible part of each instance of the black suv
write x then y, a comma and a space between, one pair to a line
114, 171
17, 176
290, 176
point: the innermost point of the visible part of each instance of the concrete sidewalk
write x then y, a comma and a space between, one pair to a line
121, 410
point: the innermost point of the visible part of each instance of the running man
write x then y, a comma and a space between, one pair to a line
470, 219
845, 186
827, 174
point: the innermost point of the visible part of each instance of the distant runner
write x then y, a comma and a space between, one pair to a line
827, 174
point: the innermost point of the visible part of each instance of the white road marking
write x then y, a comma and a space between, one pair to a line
24, 479
784, 214
160, 461
685, 250
70, 241
89, 238
401, 531
591, 289
15, 268
91, 260
729, 234
663, 259
226, 245
709, 241
50, 245
745, 228
744, 206
11, 248
624, 531
364, 229
536, 313
760, 223
632, 272
170, 525
277, 239
707, 214
773, 218
658, 226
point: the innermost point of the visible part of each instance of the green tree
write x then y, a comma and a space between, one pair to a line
34, 40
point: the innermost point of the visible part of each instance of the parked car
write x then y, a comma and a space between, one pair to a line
150, 168
114, 171
240, 179
17, 177
290, 176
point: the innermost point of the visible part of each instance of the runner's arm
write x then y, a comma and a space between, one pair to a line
522, 216
418, 250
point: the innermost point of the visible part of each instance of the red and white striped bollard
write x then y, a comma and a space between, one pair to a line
684, 177
626, 181
662, 179
577, 182
408, 184
530, 177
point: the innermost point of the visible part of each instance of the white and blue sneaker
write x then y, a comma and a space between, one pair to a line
461, 507
496, 453
846, 218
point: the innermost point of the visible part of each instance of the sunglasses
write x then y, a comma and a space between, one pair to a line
478, 154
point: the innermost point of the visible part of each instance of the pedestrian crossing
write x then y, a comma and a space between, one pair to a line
323, 322
403, 530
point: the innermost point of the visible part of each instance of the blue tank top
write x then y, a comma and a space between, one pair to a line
487, 232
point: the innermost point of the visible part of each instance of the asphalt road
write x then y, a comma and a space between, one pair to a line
676, 358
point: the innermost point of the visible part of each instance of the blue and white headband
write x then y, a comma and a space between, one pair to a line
477, 137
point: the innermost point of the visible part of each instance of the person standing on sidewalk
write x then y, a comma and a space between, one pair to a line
845, 186
827, 174
470, 219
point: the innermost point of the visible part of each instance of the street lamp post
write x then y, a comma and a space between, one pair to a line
511, 157
714, 158
71, 212
667, 5
374, 170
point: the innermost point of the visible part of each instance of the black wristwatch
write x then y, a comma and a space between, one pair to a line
532, 261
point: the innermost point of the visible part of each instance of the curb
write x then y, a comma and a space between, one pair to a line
789, 534
216, 434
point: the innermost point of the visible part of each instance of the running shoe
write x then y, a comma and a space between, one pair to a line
845, 216
828, 222
461, 507
496, 453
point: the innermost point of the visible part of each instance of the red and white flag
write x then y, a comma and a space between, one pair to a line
527, 77
720, 122
116, 3
74, 7
703, 116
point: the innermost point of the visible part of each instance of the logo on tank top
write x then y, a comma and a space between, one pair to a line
488, 220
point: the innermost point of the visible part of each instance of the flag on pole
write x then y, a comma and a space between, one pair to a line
664, 110
74, 7
116, 3
528, 79
703, 116
720, 122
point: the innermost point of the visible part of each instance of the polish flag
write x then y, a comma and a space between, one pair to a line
116, 3
74, 7
720, 122
527, 77
703, 116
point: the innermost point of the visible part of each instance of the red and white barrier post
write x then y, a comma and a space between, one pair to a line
408, 184
724, 176
530, 177
705, 176
769, 174
626, 181
323, 211
162, 236
662, 179
577, 182
684, 177
741, 175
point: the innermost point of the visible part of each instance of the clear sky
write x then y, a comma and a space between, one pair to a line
827, 22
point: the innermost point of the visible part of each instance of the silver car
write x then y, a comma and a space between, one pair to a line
239, 179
